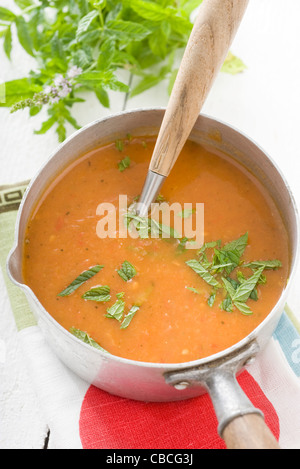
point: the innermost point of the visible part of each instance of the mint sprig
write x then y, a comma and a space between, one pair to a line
99, 38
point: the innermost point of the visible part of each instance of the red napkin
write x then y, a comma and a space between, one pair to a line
111, 422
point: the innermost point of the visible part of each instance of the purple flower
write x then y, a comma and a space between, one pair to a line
64, 89
61, 88
74, 71
59, 80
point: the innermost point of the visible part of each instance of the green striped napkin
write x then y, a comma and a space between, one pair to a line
10, 198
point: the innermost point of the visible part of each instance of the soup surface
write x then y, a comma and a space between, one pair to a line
158, 306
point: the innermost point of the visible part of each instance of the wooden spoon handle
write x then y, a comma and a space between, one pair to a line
249, 432
208, 45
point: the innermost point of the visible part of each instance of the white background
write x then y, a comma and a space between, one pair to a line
262, 102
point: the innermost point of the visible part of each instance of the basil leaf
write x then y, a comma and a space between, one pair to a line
83, 277
84, 336
116, 310
99, 294
129, 316
200, 270
127, 271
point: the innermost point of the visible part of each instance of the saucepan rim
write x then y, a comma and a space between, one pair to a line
235, 348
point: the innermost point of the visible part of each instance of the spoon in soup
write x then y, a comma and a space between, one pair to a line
214, 29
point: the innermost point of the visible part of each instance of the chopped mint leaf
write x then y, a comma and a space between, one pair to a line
84, 336
127, 319
123, 164
99, 294
116, 310
83, 277
127, 271
200, 270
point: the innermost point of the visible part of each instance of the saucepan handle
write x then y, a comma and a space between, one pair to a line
249, 432
241, 425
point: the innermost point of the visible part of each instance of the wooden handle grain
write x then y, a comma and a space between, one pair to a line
208, 45
249, 432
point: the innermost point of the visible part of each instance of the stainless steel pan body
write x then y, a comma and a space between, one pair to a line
150, 381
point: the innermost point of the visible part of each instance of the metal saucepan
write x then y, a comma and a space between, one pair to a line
240, 424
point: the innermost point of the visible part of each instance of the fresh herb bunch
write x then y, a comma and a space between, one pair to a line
80, 46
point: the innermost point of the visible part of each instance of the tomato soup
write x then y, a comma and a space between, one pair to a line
151, 299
